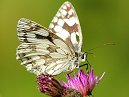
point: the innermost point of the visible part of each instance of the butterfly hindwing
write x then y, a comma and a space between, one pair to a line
41, 51
66, 25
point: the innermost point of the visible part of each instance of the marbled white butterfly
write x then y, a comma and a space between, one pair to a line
53, 50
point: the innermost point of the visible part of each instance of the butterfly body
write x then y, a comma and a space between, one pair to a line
53, 50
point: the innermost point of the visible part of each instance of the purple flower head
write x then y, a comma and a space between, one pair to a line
49, 86
84, 83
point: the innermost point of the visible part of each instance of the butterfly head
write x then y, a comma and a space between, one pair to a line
83, 56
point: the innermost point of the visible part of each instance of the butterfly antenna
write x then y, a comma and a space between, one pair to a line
87, 53
106, 44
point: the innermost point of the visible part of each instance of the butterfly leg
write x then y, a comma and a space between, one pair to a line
87, 64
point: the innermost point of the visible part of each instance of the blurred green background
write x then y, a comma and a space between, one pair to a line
102, 21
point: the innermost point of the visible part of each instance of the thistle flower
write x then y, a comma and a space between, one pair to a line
80, 85
84, 83
50, 86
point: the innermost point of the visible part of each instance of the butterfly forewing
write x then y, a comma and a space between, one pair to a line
42, 51
66, 25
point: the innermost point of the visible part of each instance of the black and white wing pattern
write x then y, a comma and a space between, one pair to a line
53, 50
66, 25
42, 51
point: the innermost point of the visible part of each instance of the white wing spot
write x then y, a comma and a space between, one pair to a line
68, 4
58, 14
70, 12
64, 7
63, 12
51, 25
55, 19
64, 34
73, 38
60, 22
70, 21
58, 28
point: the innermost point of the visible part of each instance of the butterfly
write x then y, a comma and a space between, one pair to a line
51, 50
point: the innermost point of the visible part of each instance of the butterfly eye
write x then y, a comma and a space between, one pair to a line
83, 57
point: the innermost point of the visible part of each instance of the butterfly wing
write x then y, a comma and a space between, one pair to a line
40, 50
66, 25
